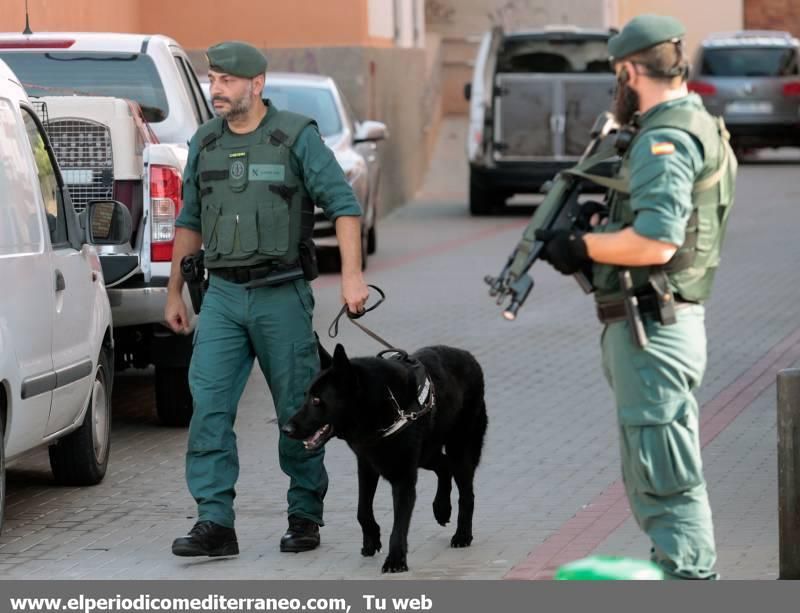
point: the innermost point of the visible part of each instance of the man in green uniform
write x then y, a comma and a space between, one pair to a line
663, 233
252, 178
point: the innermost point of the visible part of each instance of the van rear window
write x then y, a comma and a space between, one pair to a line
749, 62
554, 56
89, 73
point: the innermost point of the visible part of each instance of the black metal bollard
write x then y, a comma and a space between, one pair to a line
789, 473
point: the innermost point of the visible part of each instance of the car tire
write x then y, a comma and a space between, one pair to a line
483, 200
372, 239
81, 457
174, 404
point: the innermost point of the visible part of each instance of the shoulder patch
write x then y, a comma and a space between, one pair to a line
665, 148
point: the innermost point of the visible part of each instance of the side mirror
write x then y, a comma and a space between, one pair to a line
108, 222
371, 131
467, 91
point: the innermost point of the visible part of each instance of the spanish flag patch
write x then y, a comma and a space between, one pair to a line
662, 148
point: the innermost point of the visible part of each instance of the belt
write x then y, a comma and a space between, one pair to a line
246, 274
610, 312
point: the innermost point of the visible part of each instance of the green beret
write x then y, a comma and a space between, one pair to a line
643, 32
237, 59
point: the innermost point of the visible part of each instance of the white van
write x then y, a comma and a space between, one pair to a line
56, 345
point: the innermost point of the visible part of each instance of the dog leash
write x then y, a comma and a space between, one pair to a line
426, 397
333, 330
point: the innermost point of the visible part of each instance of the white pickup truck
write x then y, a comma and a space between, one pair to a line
133, 153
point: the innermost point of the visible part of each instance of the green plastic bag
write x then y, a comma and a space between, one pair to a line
609, 568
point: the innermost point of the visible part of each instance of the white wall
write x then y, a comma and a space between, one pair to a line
402, 21
381, 18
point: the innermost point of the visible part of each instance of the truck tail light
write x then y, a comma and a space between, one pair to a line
702, 88
165, 204
37, 43
792, 89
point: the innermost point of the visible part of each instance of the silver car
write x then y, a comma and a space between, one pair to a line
752, 79
354, 143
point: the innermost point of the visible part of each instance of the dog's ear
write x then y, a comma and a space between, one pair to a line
340, 359
325, 358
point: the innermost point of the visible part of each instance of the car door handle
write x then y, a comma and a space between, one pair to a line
61, 284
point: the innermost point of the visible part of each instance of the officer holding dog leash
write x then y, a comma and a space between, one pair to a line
252, 178
657, 254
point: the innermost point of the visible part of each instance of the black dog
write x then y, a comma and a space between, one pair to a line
387, 418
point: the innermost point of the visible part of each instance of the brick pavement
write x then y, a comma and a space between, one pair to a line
551, 444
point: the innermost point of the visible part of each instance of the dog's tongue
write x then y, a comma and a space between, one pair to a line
318, 437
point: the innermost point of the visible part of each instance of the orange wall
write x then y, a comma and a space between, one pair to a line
197, 24
74, 15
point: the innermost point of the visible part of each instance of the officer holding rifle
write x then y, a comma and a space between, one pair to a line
652, 261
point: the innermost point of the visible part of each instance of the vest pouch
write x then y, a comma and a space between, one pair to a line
248, 234
273, 227
706, 229
208, 225
238, 171
225, 234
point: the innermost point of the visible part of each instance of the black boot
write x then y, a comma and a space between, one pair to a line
207, 539
302, 535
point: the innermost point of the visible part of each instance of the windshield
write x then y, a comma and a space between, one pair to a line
88, 73
554, 56
315, 102
749, 62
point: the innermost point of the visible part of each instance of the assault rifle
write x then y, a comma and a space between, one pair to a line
559, 209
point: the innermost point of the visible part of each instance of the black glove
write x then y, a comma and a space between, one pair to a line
588, 209
564, 249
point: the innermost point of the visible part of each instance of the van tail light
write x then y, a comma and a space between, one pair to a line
702, 88
165, 204
792, 89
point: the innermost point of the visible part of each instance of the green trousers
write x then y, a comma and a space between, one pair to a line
237, 325
659, 438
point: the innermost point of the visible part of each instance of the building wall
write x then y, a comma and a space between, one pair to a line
299, 23
772, 15
74, 15
715, 16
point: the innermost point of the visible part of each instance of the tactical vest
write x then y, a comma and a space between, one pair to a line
254, 208
691, 270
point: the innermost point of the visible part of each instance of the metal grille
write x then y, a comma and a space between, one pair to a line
83, 150
41, 110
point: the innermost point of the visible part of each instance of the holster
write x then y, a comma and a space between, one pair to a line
308, 259
193, 271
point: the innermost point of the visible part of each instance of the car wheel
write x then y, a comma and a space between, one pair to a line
483, 200
81, 457
173, 396
372, 239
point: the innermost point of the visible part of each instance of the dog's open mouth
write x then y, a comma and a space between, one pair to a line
319, 438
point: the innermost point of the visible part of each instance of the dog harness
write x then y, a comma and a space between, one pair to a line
426, 395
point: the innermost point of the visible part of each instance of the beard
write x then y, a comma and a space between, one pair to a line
239, 107
626, 103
